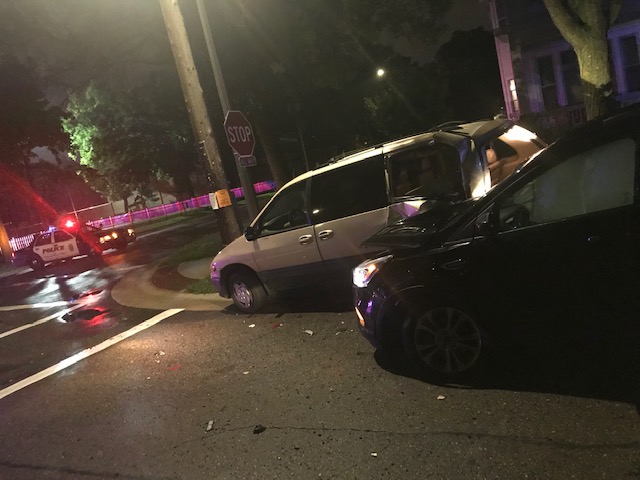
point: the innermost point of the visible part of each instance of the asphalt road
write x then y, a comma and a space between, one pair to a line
294, 392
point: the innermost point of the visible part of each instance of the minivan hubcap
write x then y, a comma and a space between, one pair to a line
242, 294
447, 340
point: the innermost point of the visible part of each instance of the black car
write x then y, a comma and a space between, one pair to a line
552, 246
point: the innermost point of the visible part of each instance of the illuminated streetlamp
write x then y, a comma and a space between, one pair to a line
380, 72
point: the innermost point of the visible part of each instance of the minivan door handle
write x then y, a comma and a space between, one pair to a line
305, 239
325, 234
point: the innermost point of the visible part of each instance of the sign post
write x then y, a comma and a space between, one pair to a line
242, 141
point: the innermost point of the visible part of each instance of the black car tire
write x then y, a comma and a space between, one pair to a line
247, 292
443, 342
35, 262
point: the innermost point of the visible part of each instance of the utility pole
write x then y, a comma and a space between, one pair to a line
194, 97
4, 243
243, 172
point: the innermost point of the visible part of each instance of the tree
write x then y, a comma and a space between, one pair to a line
28, 121
584, 24
280, 54
130, 138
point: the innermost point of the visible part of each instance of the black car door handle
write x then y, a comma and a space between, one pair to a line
457, 264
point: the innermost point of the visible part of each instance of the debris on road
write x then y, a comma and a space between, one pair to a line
252, 325
158, 355
259, 429
440, 397
374, 454
276, 325
309, 332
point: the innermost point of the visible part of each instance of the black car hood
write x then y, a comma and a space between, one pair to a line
416, 231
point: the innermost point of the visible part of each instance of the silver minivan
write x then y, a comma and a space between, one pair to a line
310, 232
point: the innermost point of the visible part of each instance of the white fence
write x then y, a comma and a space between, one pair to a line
147, 214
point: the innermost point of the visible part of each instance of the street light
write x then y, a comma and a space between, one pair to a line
380, 72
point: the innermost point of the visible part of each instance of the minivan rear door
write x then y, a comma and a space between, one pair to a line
348, 205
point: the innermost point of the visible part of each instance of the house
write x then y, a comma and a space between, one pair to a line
539, 69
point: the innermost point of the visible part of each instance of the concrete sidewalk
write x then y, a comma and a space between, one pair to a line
136, 289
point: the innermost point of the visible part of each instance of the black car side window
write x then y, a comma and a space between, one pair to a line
287, 211
349, 190
599, 179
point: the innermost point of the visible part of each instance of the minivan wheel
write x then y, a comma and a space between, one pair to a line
247, 292
444, 342
35, 262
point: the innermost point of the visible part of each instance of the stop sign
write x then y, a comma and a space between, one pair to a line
239, 133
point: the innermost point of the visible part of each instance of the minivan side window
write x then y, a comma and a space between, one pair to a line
599, 179
431, 172
349, 190
287, 211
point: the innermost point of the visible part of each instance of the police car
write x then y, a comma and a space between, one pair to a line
58, 244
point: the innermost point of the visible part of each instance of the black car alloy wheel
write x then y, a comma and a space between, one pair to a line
442, 341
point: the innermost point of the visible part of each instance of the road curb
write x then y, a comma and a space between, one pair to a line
136, 290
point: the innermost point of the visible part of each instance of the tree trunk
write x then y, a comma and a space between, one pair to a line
584, 24
595, 73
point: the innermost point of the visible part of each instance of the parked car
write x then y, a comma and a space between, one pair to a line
311, 230
59, 244
553, 246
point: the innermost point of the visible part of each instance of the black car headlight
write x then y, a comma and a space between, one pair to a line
364, 272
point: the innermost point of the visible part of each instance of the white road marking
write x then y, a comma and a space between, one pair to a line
9, 308
41, 321
67, 362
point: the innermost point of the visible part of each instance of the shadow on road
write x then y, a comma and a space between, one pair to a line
311, 301
603, 369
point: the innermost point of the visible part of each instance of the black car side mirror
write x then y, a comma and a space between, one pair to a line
250, 233
486, 225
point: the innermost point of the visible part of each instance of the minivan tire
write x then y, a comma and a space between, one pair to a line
247, 292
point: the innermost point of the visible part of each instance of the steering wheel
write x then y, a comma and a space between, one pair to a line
297, 217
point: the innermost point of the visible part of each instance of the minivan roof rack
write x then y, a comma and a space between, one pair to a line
451, 125
340, 156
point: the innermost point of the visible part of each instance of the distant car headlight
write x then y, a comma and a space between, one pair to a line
364, 272
130, 231
114, 234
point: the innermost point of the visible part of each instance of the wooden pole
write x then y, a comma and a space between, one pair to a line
194, 98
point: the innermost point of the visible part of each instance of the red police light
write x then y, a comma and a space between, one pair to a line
69, 224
